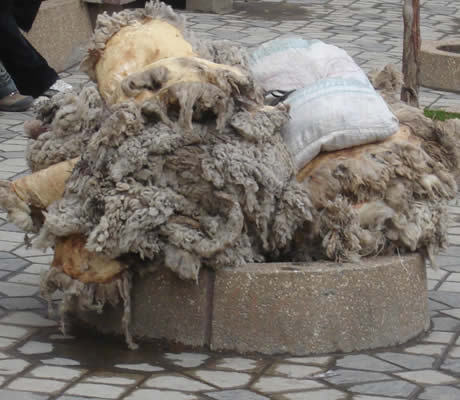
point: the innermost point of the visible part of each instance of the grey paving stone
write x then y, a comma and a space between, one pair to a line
408, 361
12, 263
4, 254
343, 376
435, 306
452, 365
13, 395
445, 324
17, 290
236, 395
440, 392
4, 273
77, 398
20, 303
387, 388
366, 363
278, 384
223, 379
452, 299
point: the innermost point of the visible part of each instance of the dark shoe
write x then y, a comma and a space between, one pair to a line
15, 102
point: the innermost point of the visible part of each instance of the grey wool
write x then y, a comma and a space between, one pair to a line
194, 173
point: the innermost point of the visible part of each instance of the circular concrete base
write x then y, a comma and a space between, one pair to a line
291, 308
440, 65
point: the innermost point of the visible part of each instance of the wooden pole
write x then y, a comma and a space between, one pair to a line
411, 51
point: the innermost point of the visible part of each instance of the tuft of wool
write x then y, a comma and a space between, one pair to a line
88, 297
376, 198
71, 119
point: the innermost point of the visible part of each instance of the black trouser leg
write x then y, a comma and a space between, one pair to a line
27, 67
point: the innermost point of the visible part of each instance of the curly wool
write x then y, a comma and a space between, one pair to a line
71, 119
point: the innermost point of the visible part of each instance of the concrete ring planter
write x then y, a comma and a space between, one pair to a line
440, 65
293, 308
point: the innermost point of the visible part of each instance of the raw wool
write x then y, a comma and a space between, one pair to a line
379, 198
88, 297
147, 188
441, 138
68, 120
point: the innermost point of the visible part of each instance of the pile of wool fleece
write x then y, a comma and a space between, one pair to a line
192, 173
384, 198
195, 173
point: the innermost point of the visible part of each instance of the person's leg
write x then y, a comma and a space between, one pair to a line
7, 85
29, 70
10, 98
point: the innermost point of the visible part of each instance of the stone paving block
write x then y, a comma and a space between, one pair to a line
327, 394
236, 395
277, 384
238, 364
25, 318
216, 6
439, 337
12, 366
13, 332
26, 279
60, 373
34, 347
13, 395
151, 394
37, 385
364, 397
17, 290
451, 299
453, 312
144, 367
320, 361
20, 303
440, 392
176, 381
427, 377
388, 388
13, 263
96, 390
293, 371
344, 376
428, 349
445, 324
408, 361
187, 360
450, 287
108, 379
60, 361
366, 363
455, 352
76, 398
223, 379
6, 343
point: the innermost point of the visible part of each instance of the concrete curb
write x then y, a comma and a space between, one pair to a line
61, 32
298, 309
439, 66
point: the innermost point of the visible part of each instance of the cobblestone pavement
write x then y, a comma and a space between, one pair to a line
38, 363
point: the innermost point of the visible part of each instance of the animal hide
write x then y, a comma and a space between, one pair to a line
181, 164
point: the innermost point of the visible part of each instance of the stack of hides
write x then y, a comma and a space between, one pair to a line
171, 158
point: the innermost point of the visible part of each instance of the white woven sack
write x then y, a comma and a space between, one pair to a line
334, 114
293, 63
